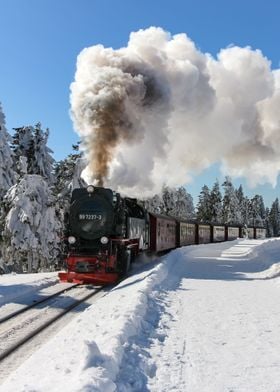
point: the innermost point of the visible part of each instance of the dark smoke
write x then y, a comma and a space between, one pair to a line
110, 126
112, 115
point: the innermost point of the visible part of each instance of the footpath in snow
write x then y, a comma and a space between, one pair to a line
206, 318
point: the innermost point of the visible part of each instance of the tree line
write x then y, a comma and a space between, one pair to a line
220, 204
35, 192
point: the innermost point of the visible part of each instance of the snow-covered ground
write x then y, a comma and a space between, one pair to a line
15, 286
206, 318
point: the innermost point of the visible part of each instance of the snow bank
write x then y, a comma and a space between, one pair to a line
263, 254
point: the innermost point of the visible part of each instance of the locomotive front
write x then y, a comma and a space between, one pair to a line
91, 218
105, 232
95, 227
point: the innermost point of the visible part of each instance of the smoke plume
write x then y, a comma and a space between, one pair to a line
159, 111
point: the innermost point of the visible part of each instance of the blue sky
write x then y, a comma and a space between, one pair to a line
40, 41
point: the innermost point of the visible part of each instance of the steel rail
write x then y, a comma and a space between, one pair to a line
22, 310
37, 331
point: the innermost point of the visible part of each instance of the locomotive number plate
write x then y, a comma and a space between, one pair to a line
90, 217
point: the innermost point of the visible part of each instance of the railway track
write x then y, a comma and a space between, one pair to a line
22, 327
35, 303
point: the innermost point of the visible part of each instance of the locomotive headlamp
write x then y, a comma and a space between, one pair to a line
104, 240
90, 189
71, 240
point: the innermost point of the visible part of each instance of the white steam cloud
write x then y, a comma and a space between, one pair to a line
159, 110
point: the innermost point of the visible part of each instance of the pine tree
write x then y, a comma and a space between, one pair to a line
243, 209
30, 143
257, 211
274, 218
204, 211
7, 174
32, 231
22, 143
68, 173
153, 204
40, 160
216, 205
177, 203
169, 200
68, 177
184, 207
231, 211
267, 224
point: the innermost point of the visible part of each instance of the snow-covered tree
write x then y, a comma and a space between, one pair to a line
173, 202
153, 204
32, 232
257, 211
274, 218
41, 162
243, 206
267, 224
245, 211
169, 200
204, 210
7, 175
68, 173
184, 207
231, 210
31, 143
22, 147
68, 177
216, 203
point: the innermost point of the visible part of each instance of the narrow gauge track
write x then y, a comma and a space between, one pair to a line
34, 304
15, 343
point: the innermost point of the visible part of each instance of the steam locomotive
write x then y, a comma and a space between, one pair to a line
107, 231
